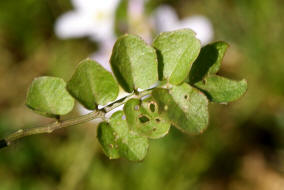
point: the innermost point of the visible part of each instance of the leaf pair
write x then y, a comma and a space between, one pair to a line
91, 85
127, 132
203, 75
118, 140
138, 65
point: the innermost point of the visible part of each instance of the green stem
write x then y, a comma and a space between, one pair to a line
49, 128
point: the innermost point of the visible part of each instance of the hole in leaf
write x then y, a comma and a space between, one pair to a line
152, 107
158, 120
143, 119
123, 117
186, 97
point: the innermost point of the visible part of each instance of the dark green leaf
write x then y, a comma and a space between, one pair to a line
184, 106
91, 85
219, 89
144, 118
118, 140
202, 75
176, 51
134, 63
208, 61
49, 97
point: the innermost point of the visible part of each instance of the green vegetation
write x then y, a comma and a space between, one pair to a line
135, 65
242, 147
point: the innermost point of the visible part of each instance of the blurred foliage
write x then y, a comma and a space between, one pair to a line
243, 147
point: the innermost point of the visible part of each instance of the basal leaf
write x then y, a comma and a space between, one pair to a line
208, 61
176, 51
219, 89
49, 97
143, 117
184, 106
91, 85
134, 63
118, 140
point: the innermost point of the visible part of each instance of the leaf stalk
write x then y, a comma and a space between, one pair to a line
51, 127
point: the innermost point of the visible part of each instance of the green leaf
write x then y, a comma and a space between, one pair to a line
202, 75
184, 106
219, 89
208, 62
91, 85
176, 51
121, 18
143, 117
108, 140
134, 63
49, 97
118, 140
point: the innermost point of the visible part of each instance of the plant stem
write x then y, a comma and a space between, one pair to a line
49, 128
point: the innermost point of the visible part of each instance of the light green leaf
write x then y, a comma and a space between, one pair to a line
118, 140
143, 117
176, 51
134, 63
208, 62
219, 89
49, 97
91, 85
184, 106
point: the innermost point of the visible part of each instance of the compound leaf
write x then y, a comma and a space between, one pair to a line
184, 106
176, 51
208, 61
219, 89
48, 96
134, 63
143, 117
91, 85
118, 140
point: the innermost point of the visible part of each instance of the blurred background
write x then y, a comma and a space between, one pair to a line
243, 147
